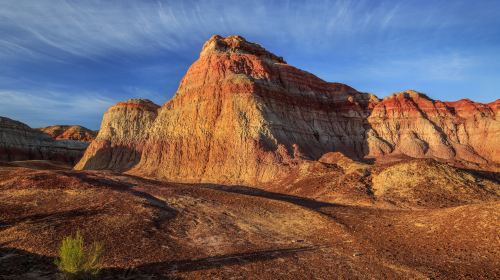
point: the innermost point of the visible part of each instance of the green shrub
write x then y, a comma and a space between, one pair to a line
77, 262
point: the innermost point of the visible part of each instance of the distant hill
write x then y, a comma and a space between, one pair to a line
18, 141
69, 132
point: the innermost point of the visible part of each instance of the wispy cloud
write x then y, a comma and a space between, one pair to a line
444, 67
54, 107
93, 29
67, 61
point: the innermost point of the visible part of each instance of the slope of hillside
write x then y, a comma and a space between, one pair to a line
431, 184
412, 184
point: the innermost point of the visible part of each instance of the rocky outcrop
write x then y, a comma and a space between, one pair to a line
69, 132
243, 115
119, 143
412, 124
20, 142
428, 183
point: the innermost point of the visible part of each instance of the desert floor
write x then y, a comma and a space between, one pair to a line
160, 230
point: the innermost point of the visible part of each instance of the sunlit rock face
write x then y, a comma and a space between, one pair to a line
412, 124
243, 115
18, 141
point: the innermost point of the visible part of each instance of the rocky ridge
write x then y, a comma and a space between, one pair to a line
243, 115
18, 141
412, 124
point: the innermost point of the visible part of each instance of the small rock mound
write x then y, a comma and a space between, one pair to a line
408, 94
346, 163
428, 183
69, 132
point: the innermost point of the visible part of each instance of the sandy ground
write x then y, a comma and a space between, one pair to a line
160, 230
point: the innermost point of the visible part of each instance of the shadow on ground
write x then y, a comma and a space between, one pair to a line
20, 264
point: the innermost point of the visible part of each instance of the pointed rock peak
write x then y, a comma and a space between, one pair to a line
237, 44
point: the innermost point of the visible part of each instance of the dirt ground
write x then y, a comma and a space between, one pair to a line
161, 230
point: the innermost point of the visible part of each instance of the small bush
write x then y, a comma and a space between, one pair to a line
75, 262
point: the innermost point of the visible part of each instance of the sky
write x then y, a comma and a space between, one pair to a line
66, 62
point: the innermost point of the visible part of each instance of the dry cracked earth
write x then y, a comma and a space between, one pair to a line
160, 230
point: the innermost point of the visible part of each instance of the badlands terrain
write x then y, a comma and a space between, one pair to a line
258, 170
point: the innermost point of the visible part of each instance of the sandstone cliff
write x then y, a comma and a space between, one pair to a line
69, 132
243, 115
20, 142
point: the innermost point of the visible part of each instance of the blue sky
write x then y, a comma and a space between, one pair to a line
65, 62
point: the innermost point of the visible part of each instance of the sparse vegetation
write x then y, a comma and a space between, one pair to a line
77, 262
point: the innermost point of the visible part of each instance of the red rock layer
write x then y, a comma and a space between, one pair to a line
412, 124
69, 132
242, 115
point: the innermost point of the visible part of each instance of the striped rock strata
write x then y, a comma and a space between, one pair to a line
243, 115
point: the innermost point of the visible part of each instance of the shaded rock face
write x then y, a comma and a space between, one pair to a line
124, 129
20, 142
69, 132
242, 115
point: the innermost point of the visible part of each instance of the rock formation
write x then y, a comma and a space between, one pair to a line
124, 129
412, 124
428, 183
69, 132
20, 142
243, 115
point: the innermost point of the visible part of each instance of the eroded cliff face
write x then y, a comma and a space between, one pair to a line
18, 141
243, 115
412, 124
124, 129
